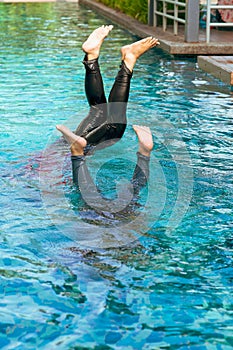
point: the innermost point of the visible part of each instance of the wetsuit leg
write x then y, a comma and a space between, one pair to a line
121, 86
141, 173
93, 82
139, 181
86, 186
78, 164
116, 122
96, 98
118, 99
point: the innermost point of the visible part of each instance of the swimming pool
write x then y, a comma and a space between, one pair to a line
174, 289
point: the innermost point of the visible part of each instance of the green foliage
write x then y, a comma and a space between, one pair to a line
136, 8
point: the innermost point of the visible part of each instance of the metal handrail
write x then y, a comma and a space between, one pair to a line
191, 20
165, 15
208, 17
179, 3
181, 20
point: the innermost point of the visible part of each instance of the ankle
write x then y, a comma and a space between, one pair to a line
129, 59
91, 56
76, 150
144, 151
129, 63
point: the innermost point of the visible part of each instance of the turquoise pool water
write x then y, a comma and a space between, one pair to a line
167, 290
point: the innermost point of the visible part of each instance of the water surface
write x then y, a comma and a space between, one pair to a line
168, 290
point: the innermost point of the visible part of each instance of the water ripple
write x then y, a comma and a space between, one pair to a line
159, 292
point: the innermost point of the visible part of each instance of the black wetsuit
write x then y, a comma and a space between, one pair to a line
106, 123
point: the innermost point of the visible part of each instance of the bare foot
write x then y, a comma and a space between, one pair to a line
130, 53
77, 143
92, 45
145, 139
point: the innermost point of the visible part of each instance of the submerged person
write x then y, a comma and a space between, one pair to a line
85, 184
106, 122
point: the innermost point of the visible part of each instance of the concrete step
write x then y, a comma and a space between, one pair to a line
219, 66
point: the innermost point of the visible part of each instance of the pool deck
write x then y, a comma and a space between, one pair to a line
221, 41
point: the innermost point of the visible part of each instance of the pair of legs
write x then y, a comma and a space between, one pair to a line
107, 121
